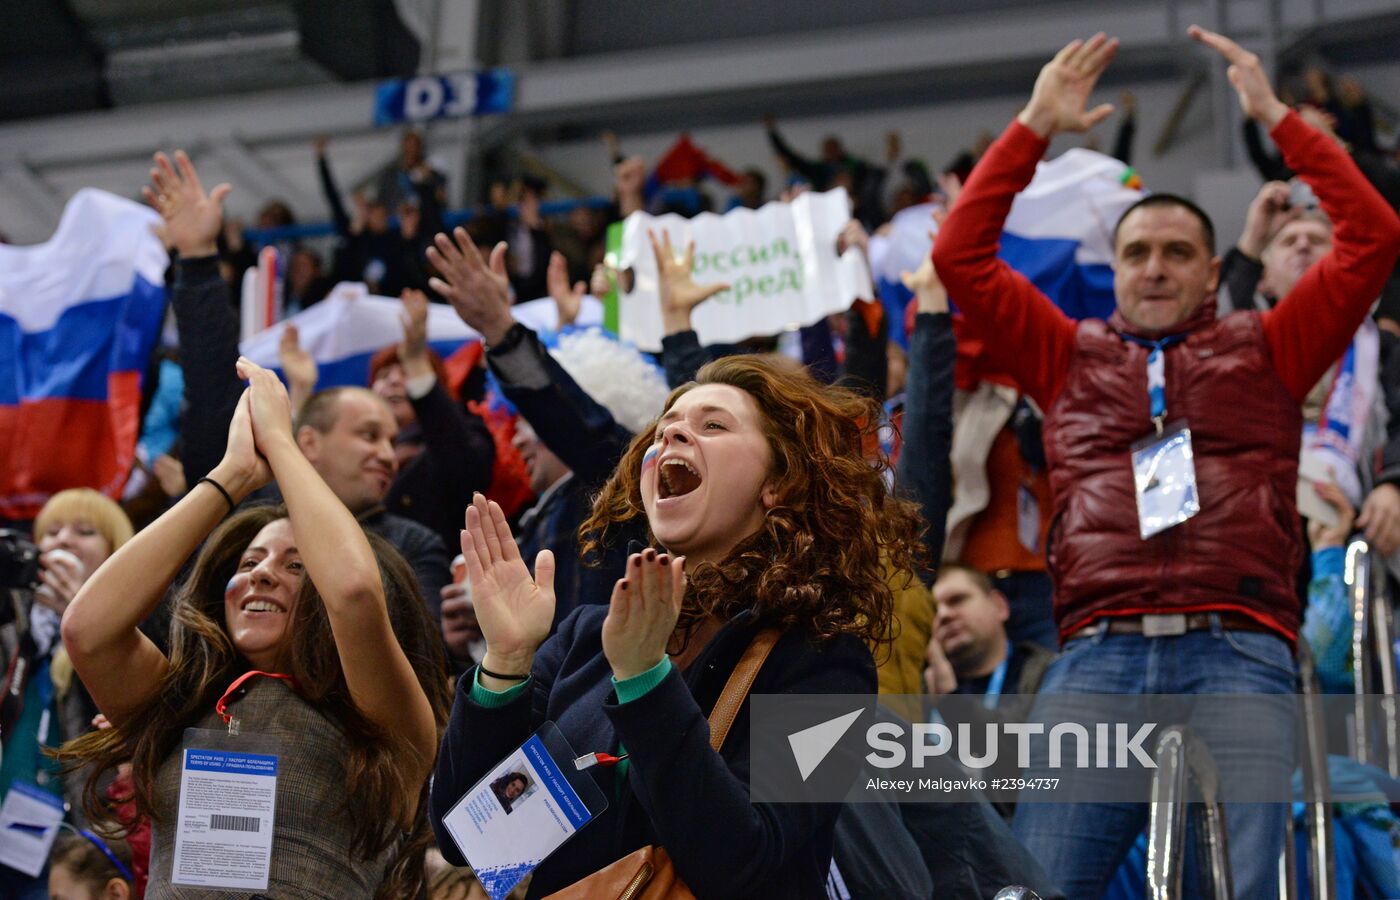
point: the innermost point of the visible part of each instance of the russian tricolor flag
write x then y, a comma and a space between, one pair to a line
1059, 234
79, 316
344, 330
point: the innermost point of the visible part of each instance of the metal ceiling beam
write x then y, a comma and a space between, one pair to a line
43, 199
558, 92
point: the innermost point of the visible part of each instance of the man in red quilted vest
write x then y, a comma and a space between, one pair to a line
1172, 442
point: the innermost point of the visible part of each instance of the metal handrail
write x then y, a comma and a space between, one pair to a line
1373, 657
1180, 756
1322, 874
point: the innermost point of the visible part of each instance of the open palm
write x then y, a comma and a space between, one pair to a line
513, 610
1061, 96
679, 292
193, 218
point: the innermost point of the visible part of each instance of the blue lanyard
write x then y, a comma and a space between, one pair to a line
989, 699
1156, 373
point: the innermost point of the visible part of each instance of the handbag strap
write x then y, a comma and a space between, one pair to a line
737, 687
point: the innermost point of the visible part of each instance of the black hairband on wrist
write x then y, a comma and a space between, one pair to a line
485, 671
220, 488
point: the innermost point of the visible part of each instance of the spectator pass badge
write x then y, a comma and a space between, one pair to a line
1164, 479
228, 799
525, 808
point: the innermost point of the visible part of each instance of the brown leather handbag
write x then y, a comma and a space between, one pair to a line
648, 873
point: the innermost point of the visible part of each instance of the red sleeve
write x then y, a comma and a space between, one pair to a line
1311, 327
1026, 335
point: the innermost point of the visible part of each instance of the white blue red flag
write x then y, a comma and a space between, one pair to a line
1059, 234
343, 331
79, 316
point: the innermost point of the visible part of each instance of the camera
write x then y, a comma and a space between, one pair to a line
19, 561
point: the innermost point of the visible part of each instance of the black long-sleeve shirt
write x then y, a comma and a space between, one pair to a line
924, 473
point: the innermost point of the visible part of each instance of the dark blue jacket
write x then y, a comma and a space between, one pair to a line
678, 793
587, 439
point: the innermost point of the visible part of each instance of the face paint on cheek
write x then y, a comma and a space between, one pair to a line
649, 460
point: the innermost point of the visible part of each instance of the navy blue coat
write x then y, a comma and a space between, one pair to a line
678, 793
587, 439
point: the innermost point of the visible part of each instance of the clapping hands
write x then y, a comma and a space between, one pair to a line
642, 616
513, 610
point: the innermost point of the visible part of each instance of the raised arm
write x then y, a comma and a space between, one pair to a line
576, 428
339, 561
681, 353
811, 170
207, 321
924, 469
330, 189
1034, 339
298, 366
1311, 327
119, 665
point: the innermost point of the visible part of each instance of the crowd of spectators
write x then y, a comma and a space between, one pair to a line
636, 523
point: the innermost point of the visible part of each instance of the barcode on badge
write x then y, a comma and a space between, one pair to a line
234, 823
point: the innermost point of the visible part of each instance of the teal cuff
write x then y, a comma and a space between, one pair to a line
484, 696
636, 687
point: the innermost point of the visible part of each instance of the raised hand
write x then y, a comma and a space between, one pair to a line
601, 282
269, 407
1269, 212
679, 292
170, 475
480, 292
413, 349
513, 610
853, 234
192, 217
1061, 96
929, 293
643, 612
298, 365
567, 301
629, 179
1257, 97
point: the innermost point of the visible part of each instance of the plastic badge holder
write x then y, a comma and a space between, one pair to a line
228, 803
1164, 478
505, 834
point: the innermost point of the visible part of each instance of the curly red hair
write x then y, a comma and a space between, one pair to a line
834, 532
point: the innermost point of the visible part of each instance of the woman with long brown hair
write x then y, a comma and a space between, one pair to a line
303, 594
755, 484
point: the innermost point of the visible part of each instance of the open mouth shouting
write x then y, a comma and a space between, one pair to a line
675, 478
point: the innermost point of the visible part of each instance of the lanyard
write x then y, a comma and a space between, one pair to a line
1156, 373
222, 706
994, 686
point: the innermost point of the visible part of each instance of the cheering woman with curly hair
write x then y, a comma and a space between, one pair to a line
770, 516
355, 696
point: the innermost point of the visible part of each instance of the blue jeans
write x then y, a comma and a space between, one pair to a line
1081, 845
